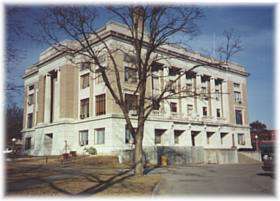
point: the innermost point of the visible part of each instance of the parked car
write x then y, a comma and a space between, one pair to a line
267, 153
268, 163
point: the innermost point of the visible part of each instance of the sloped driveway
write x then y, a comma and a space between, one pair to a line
239, 179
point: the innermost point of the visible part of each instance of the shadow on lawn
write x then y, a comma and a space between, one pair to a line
116, 179
102, 184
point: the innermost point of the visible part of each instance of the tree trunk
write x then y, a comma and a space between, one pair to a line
138, 153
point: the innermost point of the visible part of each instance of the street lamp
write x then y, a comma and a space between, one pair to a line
14, 143
257, 143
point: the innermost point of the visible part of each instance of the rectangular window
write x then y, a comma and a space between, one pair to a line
237, 96
236, 85
218, 113
98, 77
131, 101
218, 82
30, 120
100, 104
205, 79
217, 94
209, 134
83, 137
189, 109
158, 136
85, 81
177, 134
27, 144
241, 138
173, 107
31, 99
172, 86
129, 58
190, 75
176, 138
128, 136
238, 117
204, 111
31, 87
100, 136
174, 71
130, 75
222, 137
156, 105
189, 87
84, 109
193, 137
85, 65
155, 83
203, 91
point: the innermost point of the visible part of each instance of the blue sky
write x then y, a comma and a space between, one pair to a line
255, 25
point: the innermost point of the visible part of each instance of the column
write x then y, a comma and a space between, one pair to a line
202, 141
165, 103
197, 89
47, 99
180, 86
224, 101
212, 100
57, 97
188, 136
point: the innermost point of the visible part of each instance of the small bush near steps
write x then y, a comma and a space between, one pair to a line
91, 150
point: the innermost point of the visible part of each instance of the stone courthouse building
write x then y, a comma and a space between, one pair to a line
65, 109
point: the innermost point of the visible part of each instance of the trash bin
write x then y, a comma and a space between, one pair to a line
163, 161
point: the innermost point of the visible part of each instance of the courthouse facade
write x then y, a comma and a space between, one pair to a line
68, 108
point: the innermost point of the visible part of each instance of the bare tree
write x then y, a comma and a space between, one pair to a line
150, 29
15, 31
232, 45
14, 117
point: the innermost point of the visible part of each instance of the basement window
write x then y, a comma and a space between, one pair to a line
100, 136
128, 136
83, 137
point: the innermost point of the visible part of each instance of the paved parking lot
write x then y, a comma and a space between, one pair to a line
239, 179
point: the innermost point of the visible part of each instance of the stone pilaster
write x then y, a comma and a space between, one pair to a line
47, 104
41, 99
69, 88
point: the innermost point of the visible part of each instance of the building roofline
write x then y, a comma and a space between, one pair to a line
195, 57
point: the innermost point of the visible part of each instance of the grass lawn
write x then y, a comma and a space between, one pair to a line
83, 176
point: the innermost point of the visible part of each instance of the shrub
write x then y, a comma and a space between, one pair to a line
91, 150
